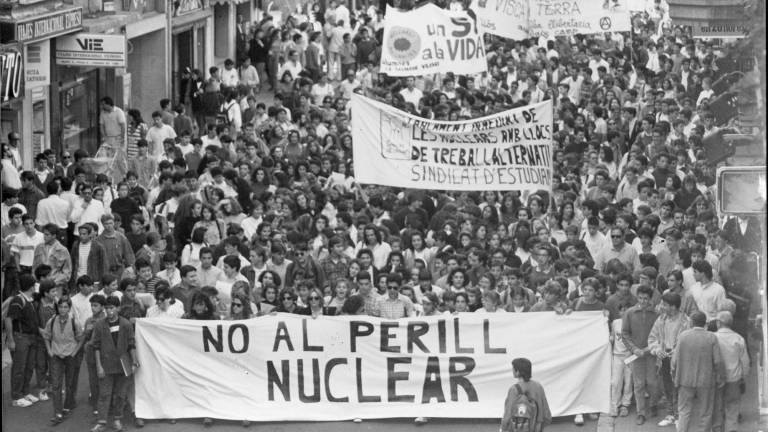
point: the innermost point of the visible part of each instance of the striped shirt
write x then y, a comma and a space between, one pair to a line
25, 245
83, 252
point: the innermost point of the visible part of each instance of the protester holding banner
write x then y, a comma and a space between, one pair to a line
504, 156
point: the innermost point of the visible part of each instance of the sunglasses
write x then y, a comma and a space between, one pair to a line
314, 298
287, 298
237, 305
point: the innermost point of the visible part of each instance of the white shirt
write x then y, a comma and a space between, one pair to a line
229, 77
319, 92
412, 96
156, 136
81, 309
92, 213
174, 311
25, 245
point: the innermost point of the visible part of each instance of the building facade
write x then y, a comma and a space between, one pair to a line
59, 58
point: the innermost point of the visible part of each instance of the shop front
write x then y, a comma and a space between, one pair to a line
88, 67
27, 37
192, 41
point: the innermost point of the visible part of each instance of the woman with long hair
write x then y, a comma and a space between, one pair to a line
260, 182
190, 254
271, 300
231, 211
240, 308
186, 216
339, 295
201, 307
316, 305
215, 229
137, 130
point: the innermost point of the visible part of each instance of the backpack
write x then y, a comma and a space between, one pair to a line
524, 412
223, 116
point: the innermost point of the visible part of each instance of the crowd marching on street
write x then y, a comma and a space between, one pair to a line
239, 200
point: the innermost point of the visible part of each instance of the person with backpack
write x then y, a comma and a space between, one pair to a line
526, 408
62, 341
23, 326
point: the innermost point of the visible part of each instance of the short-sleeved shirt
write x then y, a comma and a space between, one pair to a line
400, 307
22, 313
113, 122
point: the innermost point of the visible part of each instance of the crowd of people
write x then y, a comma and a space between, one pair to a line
233, 208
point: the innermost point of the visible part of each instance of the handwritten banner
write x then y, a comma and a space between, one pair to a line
549, 18
429, 40
289, 367
511, 150
505, 18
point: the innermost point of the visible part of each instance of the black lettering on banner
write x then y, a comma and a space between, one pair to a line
456, 331
393, 377
281, 334
386, 336
315, 396
274, 379
433, 384
244, 331
305, 338
209, 339
417, 329
487, 339
458, 377
358, 328
441, 336
359, 374
328, 369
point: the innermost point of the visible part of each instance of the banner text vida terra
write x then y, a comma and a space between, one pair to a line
313, 383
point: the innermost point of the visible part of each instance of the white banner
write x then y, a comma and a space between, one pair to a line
511, 150
292, 367
505, 18
429, 40
549, 18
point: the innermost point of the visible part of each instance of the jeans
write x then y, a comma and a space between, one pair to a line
78, 361
23, 364
727, 403
112, 396
621, 384
62, 373
695, 403
645, 379
93, 385
42, 366
668, 386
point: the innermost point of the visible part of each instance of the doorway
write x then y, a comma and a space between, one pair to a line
184, 57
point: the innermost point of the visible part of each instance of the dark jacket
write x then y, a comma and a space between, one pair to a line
110, 352
97, 261
636, 326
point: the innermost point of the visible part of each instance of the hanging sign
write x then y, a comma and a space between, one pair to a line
37, 64
11, 75
86, 49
